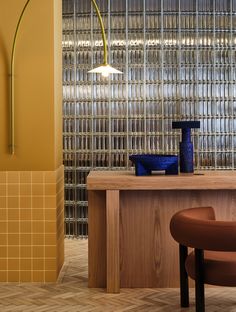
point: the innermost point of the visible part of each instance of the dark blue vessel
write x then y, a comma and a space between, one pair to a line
145, 164
186, 146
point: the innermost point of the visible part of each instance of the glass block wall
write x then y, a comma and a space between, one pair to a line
178, 63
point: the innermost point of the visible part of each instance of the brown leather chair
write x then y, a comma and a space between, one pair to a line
213, 260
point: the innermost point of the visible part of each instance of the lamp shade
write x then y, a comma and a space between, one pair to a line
105, 70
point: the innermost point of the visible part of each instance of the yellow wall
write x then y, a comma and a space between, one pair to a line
38, 119
58, 80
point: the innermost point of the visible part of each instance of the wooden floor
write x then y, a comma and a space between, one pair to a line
71, 294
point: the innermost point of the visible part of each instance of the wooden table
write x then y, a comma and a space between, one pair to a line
129, 240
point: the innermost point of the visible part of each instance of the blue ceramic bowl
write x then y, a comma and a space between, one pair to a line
146, 163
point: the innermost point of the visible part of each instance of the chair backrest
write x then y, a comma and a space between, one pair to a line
197, 228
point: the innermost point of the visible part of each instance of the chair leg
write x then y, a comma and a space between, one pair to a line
199, 280
184, 291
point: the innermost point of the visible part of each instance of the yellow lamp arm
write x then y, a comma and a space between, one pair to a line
12, 97
103, 32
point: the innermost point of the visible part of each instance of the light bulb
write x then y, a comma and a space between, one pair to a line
105, 74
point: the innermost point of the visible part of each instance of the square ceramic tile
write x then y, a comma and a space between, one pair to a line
50, 264
3, 177
38, 251
13, 202
13, 276
3, 251
49, 177
50, 276
25, 226
50, 227
13, 189
38, 276
50, 202
13, 214
13, 264
13, 239
25, 189
3, 276
25, 276
50, 251
13, 252
3, 190
13, 227
38, 214
26, 239
3, 227
38, 177
37, 189
26, 252
50, 189
3, 214
13, 177
38, 227
25, 264
3, 264
25, 214
25, 202
38, 202
3, 240
50, 214
3, 202
50, 238
38, 264
25, 177
38, 239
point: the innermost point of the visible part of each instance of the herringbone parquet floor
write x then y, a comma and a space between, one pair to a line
70, 293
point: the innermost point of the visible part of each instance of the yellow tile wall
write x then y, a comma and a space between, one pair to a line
60, 217
31, 225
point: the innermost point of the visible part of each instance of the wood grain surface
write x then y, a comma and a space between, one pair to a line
126, 180
97, 239
148, 254
113, 240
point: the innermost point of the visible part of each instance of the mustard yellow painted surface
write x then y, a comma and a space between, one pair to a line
58, 81
38, 100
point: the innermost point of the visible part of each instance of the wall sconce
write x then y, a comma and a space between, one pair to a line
104, 69
12, 83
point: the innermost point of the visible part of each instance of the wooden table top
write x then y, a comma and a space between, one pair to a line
126, 180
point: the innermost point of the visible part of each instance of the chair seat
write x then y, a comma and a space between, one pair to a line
219, 267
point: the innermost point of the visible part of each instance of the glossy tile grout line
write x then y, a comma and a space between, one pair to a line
71, 294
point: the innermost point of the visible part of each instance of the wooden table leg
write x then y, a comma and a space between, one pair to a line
113, 255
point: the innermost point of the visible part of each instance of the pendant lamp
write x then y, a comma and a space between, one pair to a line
104, 69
